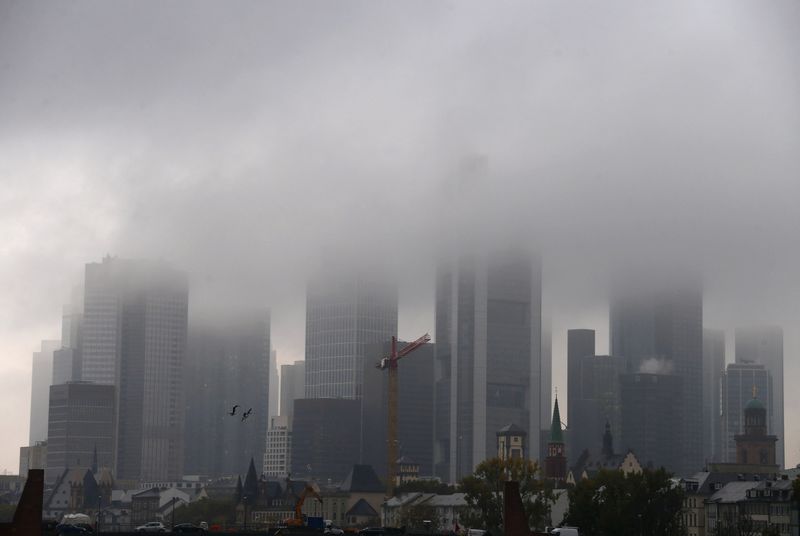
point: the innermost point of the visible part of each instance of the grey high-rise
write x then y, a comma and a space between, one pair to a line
657, 327
652, 410
488, 357
228, 364
414, 416
293, 386
764, 345
742, 382
343, 316
713, 371
134, 336
41, 379
594, 402
81, 427
67, 359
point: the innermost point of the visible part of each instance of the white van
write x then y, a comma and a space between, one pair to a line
565, 531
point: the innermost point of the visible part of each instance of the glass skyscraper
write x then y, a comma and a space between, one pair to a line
344, 316
488, 357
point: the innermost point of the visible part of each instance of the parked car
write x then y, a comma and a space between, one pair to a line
565, 531
68, 529
153, 526
332, 529
188, 528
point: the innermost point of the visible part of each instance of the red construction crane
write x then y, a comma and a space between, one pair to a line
390, 364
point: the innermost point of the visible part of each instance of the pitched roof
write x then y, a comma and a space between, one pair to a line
362, 508
362, 478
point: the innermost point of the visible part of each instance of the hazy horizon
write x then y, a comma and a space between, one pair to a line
252, 144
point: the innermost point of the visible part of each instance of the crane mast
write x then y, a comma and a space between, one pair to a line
390, 364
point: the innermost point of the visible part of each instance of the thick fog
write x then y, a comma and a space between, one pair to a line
254, 143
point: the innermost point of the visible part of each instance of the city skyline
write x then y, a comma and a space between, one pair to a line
255, 145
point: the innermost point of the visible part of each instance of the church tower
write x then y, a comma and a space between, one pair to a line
555, 465
754, 446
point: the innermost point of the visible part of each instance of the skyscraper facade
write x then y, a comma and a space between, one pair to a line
656, 326
652, 409
325, 438
66, 360
278, 459
293, 386
580, 343
764, 345
414, 416
81, 425
228, 364
134, 337
713, 371
596, 403
488, 357
274, 385
343, 316
546, 387
41, 379
742, 382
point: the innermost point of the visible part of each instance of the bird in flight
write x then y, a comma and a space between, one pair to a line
233, 411
246, 414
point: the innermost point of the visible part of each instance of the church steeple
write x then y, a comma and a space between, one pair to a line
556, 435
555, 465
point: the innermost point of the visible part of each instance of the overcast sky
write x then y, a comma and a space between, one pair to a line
251, 143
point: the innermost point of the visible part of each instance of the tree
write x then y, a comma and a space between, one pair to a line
484, 493
636, 504
425, 486
212, 511
413, 517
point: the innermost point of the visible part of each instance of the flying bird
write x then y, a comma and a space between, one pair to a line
233, 411
246, 414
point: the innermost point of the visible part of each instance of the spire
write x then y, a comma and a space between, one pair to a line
251, 483
556, 435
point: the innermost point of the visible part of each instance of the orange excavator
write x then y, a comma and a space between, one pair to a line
297, 520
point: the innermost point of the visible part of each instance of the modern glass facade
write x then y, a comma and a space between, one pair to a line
343, 317
488, 357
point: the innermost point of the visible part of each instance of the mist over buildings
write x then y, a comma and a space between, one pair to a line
253, 145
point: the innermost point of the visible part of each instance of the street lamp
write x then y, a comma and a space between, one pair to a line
173, 512
97, 521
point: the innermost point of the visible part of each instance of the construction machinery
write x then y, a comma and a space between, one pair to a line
298, 520
390, 363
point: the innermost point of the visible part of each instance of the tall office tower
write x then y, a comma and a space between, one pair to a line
580, 343
738, 386
81, 426
278, 459
134, 336
657, 326
652, 409
546, 388
594, 403
228, 365
414, 416
343, 316
41, 378
293, 386
488, 357
713, 371
66, 360
325, 438
764, 345
274, 385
